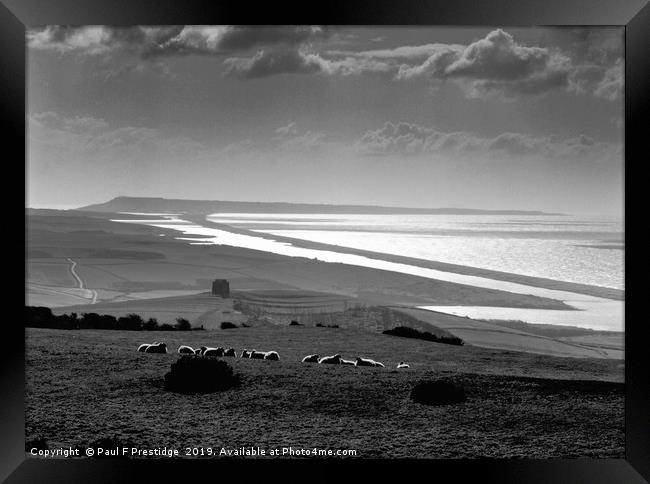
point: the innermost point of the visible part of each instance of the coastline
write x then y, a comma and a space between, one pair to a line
539, 282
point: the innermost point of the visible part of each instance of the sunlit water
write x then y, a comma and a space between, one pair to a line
565, 248
595, 313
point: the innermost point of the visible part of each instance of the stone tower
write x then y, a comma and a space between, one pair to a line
221, 287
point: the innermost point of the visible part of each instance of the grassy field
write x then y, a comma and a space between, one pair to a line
84, 385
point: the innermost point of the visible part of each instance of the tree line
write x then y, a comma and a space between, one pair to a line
42, 317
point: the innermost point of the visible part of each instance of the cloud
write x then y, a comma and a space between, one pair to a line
273, 62
496, 65
268, 63
89, 135
290, 138
603, 81
499, 66
172, 40
407, 139
290, 129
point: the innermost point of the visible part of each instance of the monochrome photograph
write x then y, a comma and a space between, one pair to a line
324, 242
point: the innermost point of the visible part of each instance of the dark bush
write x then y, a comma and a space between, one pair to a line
96, 321
183, 324
320, 325
150, 324
295, 323
227, 325
438, 392
194, 374
332, 325
406, 332
39, 316
130, 322
38, 443
42, 317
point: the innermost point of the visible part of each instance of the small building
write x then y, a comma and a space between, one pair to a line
221, 287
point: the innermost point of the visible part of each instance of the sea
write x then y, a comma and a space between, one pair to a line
579, 249
587, 250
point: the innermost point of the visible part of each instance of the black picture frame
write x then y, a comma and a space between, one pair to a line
634, 15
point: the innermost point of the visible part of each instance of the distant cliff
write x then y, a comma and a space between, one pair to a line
167, 205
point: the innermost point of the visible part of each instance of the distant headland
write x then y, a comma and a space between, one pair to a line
169, 205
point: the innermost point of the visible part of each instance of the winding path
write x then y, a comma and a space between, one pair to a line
81, 282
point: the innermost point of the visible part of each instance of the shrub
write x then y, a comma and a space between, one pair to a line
193, 374
42, 317
183, 324
332, 325
130, 322
96, 321
227, 325
295, 323
320, 325
406, 332
438, 392
39, 316
150, 324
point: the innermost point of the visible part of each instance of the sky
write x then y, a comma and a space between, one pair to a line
491, 118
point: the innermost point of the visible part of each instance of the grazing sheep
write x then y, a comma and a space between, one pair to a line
257, 355
143, 347
272, 355
230, 352
364, 362
156, 348
310, 359
186, 350
401, 364
378, 363
213, 351
245, 354
347, 362
330, 360
199, 351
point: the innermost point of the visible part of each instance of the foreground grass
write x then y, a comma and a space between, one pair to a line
86, 384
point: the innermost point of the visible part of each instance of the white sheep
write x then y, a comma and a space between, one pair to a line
330, 360
186, 350
230, 352
272, 355
310, 359
213, 351
401, 364
156, 348
245, 353
365, 362
143, 347
347, 362
257, 355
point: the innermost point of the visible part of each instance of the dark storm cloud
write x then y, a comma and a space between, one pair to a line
412, 139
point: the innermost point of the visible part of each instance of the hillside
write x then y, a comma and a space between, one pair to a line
519, 405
